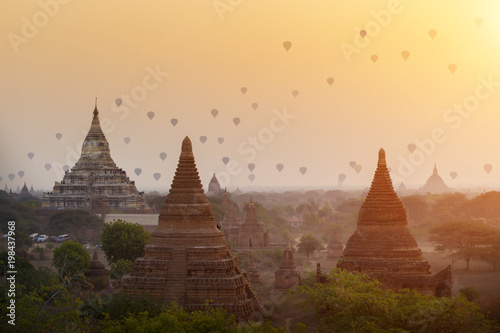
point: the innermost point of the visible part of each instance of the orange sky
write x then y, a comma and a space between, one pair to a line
76, 50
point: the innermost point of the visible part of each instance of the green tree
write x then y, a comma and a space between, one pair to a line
78, 223
71, 258
123, 240
467, 240
353, 302
119, 269
308, 244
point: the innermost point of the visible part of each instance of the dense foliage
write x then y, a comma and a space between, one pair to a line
123, 240
71, 258
351, 302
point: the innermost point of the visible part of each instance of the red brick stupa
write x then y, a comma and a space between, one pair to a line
187, 259
382, 246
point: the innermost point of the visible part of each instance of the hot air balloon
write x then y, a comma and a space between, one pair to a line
405, 54
488, 168
287, 45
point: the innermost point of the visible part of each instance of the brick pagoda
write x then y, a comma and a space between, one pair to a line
187, 259
382, 245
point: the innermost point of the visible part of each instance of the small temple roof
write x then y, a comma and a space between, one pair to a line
435, 184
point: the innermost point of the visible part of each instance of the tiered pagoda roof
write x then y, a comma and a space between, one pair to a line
382, 245
187, 259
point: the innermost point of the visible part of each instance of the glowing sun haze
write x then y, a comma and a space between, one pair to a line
418, 78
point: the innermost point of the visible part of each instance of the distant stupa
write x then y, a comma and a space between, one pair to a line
435, 184
213, 186
187, 259
95, 183
382, 245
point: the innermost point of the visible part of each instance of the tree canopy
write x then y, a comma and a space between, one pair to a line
308, 244
123, 240
353, 302
71, 258
78, 223
467, 240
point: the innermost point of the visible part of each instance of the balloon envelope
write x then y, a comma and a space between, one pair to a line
374, 58
488, 168
214, 112
151, 115
127, 140
174, 121
243, 90
31, 155
295, 93
478, 21
279, 167
203, 139
287, 45
411, 147
357, 168
236, 121
352, 164
255, 106
66, 167
138, 171
251, 177
362, 33
118, 102
48, 166
157, 175
452, 68
225, 160
11, 176
303, 170
21, 174
405, 54
220, 140
330, 81
342, 177
432, 33
453, 175
58, 136
251, 166
163, 155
